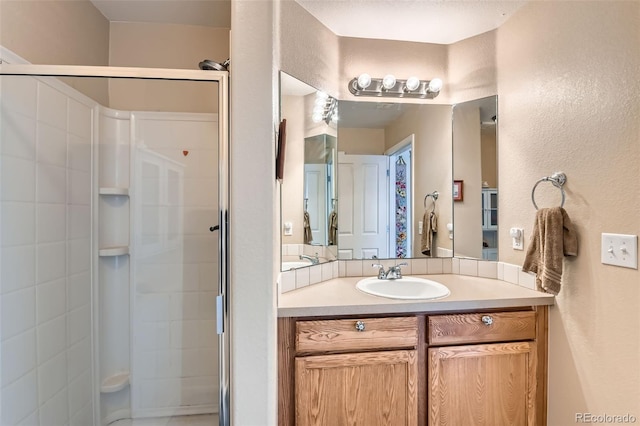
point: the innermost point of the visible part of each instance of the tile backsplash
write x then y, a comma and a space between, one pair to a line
303, 277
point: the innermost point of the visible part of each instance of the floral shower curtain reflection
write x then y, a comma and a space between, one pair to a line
401, 208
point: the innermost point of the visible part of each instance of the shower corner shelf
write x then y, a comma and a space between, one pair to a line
113, 251
115, 383
113, 190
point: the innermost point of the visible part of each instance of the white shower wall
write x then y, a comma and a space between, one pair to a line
52, 314
45, 229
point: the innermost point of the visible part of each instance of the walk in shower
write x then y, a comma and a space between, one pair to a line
113, 230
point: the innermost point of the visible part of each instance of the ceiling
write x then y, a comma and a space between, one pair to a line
427, 21
209, 13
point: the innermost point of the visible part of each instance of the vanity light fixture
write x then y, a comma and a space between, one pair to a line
412, 84
325, 108
388, 82
389, 86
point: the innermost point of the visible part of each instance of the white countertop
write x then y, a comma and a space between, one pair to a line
340, 297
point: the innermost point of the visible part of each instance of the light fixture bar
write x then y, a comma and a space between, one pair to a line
398, 91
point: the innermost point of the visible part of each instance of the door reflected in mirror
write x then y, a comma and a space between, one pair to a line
309, 215
392, 157
475, 163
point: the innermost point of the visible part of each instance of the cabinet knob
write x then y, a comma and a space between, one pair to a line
487, 320
359, 326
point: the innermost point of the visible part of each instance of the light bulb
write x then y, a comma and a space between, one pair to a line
389, 81
435, 85
364, 80
412, 83
316, 117
320, 101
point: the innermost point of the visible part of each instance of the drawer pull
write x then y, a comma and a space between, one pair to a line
487, 320
359, 326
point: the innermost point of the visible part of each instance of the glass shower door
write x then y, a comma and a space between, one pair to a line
110, 273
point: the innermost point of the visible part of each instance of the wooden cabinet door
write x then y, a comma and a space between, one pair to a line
372, 388
489, 385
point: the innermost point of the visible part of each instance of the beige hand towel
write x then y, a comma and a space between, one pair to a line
429, 226
306, 224
333, 228
553, 237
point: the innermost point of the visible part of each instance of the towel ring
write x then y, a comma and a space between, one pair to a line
558, 179
435, 195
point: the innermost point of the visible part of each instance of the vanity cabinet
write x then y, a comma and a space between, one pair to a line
467, 368
472, 382
360, 371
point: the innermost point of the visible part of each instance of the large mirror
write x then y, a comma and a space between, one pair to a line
309, 215
394, 180
392, 168
476, 173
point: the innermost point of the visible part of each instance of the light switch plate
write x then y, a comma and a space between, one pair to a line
620, 250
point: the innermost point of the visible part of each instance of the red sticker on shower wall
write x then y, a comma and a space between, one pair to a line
185, 153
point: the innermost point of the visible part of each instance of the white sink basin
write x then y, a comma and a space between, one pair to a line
295, 264
404, 288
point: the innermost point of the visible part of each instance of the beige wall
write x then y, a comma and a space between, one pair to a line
472, 70
569, 99
467, 233
361, 141
165, 46
58, 33
489, 155
307, 49
292, 188
431, 127
402, 59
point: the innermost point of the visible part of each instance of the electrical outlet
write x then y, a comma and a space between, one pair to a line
517, 235
420, 228
620, 250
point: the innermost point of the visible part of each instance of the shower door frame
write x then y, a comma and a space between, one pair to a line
222, 78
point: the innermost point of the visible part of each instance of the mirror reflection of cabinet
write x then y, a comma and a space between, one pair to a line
489, 224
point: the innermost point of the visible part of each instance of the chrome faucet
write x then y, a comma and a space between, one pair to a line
313, 259
393, 273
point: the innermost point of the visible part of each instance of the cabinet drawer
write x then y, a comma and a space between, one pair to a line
343, 335
481, 327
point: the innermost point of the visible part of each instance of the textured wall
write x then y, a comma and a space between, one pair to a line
471, 66
58, 33
255, 245
400, 58
55, 32
135, 44
308, 50
569, 99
